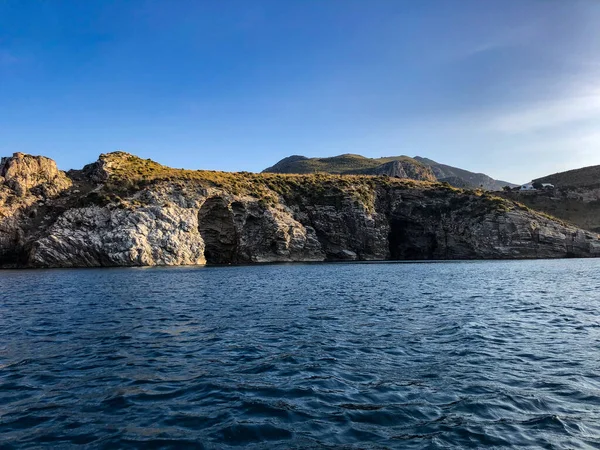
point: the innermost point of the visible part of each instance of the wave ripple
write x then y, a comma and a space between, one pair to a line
442, 355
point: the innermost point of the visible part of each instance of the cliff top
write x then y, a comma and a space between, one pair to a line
122, 167
124, 173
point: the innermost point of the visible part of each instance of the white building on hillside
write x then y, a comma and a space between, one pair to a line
527, 187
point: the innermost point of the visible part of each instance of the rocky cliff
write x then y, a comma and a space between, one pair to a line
126, 211
23, 174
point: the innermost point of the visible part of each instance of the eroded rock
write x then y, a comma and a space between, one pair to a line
23, 173
101, 236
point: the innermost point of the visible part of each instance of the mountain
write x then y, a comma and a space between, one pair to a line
349, 164
126, 211
584, 177
416, 168
452, 175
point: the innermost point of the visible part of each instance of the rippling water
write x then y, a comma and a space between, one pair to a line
442, 355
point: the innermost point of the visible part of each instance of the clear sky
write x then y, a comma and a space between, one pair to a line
506, 87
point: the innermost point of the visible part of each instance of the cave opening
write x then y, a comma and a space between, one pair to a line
411, 241
217, 228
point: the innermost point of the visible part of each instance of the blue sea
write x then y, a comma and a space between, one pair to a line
448, 355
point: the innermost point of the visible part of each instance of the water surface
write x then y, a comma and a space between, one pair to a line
443, 355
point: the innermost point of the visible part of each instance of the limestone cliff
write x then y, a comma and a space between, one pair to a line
23, 174
126, 211
27, 183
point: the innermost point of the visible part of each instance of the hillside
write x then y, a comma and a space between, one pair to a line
398, 166
349, 164
575, 197
469, 179
579, 206
584, 177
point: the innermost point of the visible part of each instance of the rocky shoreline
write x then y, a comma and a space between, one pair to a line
126, 211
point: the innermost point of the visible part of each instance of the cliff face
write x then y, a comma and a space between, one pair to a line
125, 211
23, 174
401, 169
27, 183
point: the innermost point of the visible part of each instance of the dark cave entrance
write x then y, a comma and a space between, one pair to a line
216, 226
411, 241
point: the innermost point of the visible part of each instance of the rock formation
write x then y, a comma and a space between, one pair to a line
23, 173
126, 211
26, 184
401, 169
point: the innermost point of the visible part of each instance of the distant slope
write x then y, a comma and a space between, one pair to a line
336, 164
349, 164
396, 166
584, 177
451, 174
575, 199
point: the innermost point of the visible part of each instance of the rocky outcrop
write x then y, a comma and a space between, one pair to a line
401, 169
123, 211
103, 236
25, 173
27, 184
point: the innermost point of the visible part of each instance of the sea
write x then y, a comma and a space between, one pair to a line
409, 355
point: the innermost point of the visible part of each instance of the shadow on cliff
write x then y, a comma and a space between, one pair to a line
217, 228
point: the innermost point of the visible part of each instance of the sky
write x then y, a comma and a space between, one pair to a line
510, 88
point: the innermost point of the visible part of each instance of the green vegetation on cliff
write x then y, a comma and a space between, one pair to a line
126, 173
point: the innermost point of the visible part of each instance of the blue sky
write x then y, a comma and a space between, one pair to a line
506, 87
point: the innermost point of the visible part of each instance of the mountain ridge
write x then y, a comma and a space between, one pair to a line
417, 168
473, 179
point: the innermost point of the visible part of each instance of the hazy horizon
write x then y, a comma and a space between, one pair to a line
504, 87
